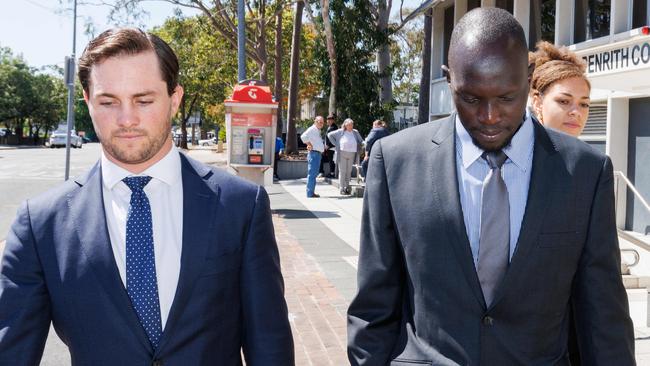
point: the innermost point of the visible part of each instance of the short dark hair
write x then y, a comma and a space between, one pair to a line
487, 26
128, 41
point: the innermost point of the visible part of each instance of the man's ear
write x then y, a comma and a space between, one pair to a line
446, 73
177, 97
85, 96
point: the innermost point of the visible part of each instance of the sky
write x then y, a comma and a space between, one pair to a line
41, 31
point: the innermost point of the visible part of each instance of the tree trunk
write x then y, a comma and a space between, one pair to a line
261, 43
331, 53
278, 72
383, 55
425, 80
292, 141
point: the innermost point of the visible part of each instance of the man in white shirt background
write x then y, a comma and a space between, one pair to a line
150, 257
315, 147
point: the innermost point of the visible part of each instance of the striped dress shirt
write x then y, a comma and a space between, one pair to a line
471, 172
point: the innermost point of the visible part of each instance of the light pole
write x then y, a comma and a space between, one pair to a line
70, 72
241, 41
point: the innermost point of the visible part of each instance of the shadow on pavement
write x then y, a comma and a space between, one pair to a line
304, 214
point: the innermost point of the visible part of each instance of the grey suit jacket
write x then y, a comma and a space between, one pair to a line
420, 301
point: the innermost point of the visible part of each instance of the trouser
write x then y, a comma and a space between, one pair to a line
328, 157
313, 163
346, 160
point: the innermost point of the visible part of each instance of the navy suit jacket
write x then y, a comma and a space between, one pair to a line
58, 266
420, 300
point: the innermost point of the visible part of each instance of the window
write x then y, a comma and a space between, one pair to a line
592, 19
508, 5
542, 22
639, 13
471, 4
448, 28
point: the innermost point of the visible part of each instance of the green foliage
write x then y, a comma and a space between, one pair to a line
358, 80
29, 97
406, 54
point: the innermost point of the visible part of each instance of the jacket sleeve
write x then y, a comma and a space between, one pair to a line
375, 313
334, 137
604, 330
267, 336
24, 301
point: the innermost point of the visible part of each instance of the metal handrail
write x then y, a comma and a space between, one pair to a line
635, 254
619, 174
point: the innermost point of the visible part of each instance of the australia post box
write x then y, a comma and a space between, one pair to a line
250, 131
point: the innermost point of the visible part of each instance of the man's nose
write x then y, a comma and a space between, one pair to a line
128, 117
488, 113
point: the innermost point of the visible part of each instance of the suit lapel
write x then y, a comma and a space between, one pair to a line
87, 212
199, 216
445, 186
544, 178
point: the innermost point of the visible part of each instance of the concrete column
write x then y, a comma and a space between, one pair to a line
521, 12
621, 16
564, 10
437, 41
437, 49
489, 3
616, 147
460, 8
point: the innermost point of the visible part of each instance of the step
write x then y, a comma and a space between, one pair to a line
636, 282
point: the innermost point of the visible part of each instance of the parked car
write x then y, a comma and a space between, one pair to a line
58, 139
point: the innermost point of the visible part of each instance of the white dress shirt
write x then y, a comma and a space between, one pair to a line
348, 142
312, 134
472, 170
165, 193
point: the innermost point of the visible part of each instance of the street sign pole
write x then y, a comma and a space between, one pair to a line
70, 72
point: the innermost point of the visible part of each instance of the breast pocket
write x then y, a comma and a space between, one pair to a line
221, 263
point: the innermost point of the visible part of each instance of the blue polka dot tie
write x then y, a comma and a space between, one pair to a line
141, 284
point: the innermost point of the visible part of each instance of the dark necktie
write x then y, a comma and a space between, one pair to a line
141, 284
494, 243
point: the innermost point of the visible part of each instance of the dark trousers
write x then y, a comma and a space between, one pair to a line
328, 157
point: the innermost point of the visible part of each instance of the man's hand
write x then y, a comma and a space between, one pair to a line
309, 146
365, 157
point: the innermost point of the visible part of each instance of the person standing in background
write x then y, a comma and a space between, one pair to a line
315, 147
328, 155
559, 89
348, 142
379, 130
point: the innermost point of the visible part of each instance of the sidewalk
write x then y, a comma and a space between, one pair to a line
325, 231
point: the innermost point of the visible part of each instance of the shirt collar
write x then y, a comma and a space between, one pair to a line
519, 151
166, 170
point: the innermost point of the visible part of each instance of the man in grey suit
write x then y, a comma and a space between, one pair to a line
482, 230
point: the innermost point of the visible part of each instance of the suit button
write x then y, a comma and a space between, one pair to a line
156, 363
487, 320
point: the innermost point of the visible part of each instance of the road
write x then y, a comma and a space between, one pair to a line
27, 172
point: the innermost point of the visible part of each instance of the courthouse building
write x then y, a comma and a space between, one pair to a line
613, 38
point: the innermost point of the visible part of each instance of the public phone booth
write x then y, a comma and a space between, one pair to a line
250, 131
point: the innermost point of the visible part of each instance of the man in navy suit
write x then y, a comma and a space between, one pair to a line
150, 257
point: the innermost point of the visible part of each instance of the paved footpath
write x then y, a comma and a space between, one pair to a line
327, 229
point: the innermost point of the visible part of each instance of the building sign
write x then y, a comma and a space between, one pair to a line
630, 57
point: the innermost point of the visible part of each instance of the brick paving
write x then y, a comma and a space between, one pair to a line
316, 308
